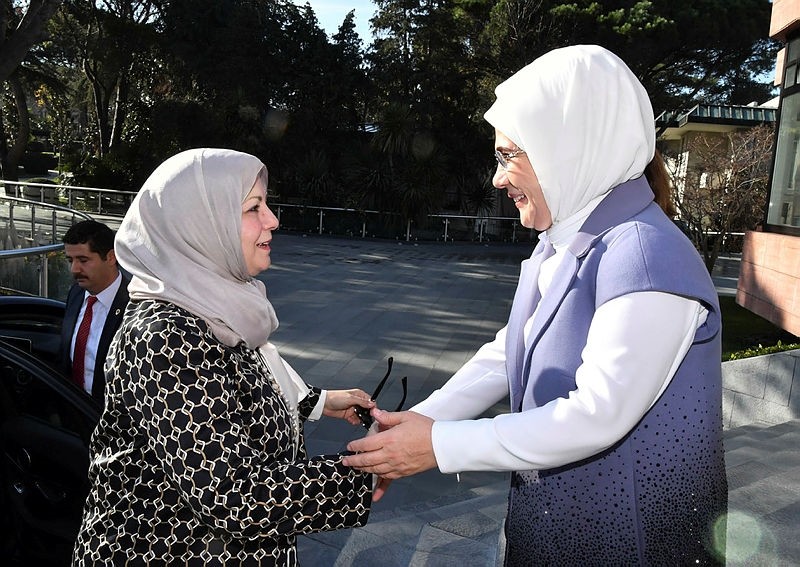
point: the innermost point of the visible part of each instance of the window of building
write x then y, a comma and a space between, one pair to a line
783, 212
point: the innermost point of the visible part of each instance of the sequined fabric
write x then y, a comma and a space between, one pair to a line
658, 496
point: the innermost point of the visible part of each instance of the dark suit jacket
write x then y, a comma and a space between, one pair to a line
73, 309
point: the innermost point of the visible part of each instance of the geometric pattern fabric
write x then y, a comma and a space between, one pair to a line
193, 460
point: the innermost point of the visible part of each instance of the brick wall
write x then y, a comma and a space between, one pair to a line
769, 278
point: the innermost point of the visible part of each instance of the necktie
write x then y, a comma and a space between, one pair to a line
79, 354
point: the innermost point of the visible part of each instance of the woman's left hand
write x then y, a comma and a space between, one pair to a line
340, 403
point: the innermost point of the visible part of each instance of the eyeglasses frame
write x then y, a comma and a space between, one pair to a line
363, 413
502, 158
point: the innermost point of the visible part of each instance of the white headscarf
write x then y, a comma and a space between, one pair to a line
181, 242
584, 120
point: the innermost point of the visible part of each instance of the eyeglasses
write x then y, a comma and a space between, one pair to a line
503, 157
363, 413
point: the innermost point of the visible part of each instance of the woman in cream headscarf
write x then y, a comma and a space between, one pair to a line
198, 457
611, 355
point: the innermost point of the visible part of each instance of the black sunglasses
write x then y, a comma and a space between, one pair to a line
363, 413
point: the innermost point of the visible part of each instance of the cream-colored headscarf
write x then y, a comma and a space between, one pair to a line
584, 120
181, 242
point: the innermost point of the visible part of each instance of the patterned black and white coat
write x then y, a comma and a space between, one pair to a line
193, 461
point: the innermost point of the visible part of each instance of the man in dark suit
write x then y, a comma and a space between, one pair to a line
95, 304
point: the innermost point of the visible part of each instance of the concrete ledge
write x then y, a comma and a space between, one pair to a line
761, 389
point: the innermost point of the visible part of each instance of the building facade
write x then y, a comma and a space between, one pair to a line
678, 132
769, 280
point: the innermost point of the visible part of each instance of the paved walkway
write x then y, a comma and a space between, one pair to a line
347, 305
726, 273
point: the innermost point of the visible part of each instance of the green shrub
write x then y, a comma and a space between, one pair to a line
744, 333
760, 350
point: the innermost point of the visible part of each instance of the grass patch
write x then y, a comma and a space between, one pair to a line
746, 334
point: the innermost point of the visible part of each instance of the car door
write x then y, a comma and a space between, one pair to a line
33, 324
45, 426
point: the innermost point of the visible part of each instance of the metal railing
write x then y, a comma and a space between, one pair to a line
25, 223
85, 199
44, 253
378, 224
34, 226
303, 218
31, 230
719, 112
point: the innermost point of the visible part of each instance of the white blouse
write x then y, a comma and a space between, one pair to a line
628, 361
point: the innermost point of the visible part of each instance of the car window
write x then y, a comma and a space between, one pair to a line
37, 334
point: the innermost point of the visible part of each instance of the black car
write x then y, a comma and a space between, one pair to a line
45, 426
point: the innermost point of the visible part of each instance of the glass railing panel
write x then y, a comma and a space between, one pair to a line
41, 271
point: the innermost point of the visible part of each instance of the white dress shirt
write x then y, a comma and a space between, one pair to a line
99, 314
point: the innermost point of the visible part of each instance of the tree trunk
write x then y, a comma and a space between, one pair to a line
15, 46
100, 109
3, 146
20, 144
120, 104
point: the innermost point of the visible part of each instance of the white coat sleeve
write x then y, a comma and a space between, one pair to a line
474, 388
628, 361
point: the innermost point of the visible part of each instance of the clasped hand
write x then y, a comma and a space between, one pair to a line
401, 447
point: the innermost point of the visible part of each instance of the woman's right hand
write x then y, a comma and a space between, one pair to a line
342, 404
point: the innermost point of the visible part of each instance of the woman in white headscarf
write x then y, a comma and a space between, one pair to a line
611, 356
198, 457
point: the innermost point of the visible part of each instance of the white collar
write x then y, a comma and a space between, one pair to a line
106, 297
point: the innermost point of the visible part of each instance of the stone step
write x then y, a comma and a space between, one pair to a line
756, 442
746, 429
763, 470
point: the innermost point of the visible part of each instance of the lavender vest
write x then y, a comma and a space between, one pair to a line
655, 496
